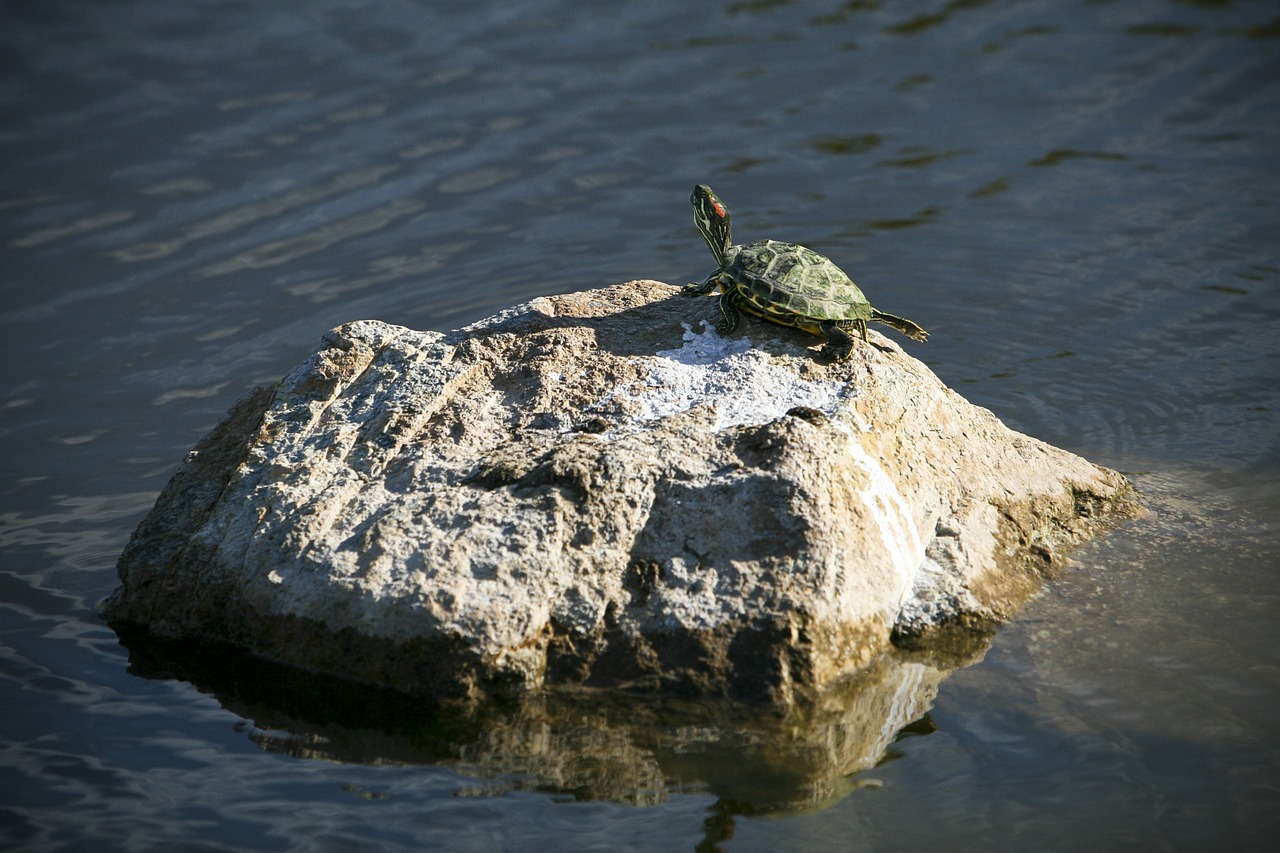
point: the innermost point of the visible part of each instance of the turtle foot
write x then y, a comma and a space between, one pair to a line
837, 352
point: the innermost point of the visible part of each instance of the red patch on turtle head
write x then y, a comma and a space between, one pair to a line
718, 207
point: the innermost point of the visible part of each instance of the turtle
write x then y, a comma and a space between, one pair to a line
784, 283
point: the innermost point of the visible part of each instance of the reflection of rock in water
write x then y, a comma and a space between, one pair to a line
588, 744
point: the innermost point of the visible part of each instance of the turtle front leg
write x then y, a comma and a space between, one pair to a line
695, 289
729, 315
839, 341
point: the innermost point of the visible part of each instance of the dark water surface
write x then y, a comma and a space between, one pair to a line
1078, 200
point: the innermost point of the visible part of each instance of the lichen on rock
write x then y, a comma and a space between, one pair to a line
595, 489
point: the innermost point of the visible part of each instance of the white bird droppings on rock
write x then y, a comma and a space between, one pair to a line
743, 383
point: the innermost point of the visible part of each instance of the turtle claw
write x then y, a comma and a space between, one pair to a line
839, 342
832, 352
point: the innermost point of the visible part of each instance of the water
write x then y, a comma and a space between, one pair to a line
1077, 199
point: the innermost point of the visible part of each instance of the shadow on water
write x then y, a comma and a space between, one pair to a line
585, 744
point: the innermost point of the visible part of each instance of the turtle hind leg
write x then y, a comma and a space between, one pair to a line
902, 324
839, 341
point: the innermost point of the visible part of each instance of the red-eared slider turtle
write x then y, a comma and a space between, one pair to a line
785, 283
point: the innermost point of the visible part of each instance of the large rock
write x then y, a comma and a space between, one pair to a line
596, 489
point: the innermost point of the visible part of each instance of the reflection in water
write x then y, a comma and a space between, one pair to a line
381, 270
282, 251
1061, 155
590, 745
916, 157
246, 215
72, 229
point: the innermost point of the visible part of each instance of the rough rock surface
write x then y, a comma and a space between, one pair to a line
595, 488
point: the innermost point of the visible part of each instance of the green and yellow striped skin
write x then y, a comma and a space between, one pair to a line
784, 283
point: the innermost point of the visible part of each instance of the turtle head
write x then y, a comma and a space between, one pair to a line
712, 219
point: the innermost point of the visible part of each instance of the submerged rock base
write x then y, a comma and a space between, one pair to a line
596, 489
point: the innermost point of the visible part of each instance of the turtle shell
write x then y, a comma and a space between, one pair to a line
788, 283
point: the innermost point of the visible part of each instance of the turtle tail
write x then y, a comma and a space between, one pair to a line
902, 324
